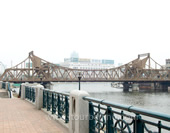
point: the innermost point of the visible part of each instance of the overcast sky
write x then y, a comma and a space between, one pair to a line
53, 29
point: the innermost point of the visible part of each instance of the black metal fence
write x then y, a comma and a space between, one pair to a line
107, 117
30, 93
57, 103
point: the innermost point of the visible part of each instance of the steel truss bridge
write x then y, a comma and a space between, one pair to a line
35, 69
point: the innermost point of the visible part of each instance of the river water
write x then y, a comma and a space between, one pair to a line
155, 101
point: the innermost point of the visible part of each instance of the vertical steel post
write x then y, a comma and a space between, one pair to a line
66, 110
122, 119
79, 82
59, 106
79, 77
98, 118
48, 102
92, 123
44, 99
139, 126
53, 104
33, 94
30, 94
109, 120
25, 92
159, 127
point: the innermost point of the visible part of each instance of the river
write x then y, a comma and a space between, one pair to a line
155, 101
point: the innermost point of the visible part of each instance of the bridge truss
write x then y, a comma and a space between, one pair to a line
35, 69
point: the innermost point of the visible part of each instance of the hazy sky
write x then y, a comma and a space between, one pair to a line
108, 29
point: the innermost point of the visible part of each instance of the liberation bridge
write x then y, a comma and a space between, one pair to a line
141, 70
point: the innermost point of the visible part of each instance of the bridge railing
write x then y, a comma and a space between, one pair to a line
57, 103
108, 117
30, 93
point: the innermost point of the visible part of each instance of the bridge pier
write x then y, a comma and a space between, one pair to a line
164, 86
126, 87
135, 87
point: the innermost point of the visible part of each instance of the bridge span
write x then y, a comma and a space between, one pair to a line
35, 69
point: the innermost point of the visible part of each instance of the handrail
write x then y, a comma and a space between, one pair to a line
130, 108
103, 117
57, 92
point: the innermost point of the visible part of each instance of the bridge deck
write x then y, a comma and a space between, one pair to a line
19, 116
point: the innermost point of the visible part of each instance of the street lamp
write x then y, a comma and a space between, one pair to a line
79, 77
41, 77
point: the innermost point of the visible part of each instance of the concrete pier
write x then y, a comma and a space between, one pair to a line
125, 87
135, 87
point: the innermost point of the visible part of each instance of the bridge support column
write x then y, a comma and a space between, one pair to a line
78, 112
164, 87
0, 84
39, 96
125, 87
135, 87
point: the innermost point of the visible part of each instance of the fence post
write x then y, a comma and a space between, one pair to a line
66, 109
59, 108
44, 99
53, 104
91, 118
109, 120
39, 96
139, 127
79, 112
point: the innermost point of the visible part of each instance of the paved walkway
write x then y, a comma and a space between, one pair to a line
20, 116
3, 93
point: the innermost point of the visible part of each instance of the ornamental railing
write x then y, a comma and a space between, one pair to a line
107, 117
57, 103
30, 93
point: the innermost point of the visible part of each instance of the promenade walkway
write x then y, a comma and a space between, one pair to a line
20, 116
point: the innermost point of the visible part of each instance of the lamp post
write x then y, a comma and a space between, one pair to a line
79, 77
41, 77
41, 80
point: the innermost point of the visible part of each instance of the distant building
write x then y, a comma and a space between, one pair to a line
167, 63
86, 63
